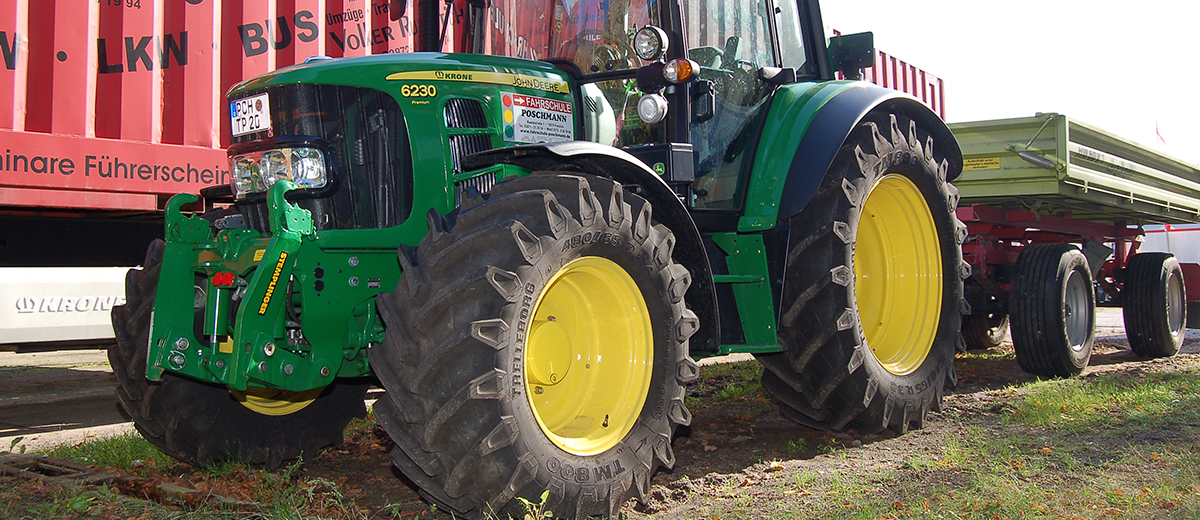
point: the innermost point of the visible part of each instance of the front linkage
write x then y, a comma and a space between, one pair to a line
252, 293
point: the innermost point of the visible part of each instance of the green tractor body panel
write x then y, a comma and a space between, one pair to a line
751, 283
792, 112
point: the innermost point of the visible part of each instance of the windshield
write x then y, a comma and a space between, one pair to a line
595, 34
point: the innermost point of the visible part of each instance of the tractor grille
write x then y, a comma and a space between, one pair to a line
464, 145
468, 113
461, 146
481, 184
465, 113
369, 158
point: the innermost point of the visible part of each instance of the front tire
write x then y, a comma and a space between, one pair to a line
201, 423
873, 289
537, 341
1053, 310
1155, 304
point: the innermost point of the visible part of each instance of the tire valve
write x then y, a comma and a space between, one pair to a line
551, 318
538, 390
605, 423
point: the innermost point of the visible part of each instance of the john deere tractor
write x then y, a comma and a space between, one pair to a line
529, 243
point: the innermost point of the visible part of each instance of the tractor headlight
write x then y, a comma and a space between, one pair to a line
652, 108
650, 43
256, 172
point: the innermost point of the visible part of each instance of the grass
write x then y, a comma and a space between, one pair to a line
124, 452
267, 495
723, 383
1115, 445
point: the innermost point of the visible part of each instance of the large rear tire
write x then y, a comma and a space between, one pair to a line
873, 289
537, 340
1053, 310
198, 422
1155, 304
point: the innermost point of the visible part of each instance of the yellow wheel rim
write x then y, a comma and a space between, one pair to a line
589, 356
898, 274
275, 402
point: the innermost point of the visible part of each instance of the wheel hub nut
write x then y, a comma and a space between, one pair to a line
178, 361
181, 344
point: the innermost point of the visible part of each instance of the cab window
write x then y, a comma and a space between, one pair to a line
731, 40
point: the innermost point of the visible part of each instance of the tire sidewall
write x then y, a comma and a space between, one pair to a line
566, 474
1172, 269
920, 386
1070, 262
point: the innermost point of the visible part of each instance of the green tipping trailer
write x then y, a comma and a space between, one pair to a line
1055, 210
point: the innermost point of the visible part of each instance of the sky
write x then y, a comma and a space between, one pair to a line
1131, 68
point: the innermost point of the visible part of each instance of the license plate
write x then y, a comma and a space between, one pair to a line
249, 115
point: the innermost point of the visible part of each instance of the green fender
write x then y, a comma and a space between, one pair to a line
814, 119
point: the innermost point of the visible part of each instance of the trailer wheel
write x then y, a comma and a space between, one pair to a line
984, 331
1155, 304
198, 422
1053, 310
874, 287
537, 340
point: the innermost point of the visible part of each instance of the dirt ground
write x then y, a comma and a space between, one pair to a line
733, 441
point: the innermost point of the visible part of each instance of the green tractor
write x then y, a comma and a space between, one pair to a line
529, 243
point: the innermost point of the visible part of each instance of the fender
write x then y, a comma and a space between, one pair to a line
620, 166
814, 119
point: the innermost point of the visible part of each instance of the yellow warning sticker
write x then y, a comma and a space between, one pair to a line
262, 309
473, 76
981, 163
258, 255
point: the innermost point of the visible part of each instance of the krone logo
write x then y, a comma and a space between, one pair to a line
26, 305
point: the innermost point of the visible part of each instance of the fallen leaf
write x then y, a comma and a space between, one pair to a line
710, 448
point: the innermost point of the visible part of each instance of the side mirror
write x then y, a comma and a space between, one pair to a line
851, 53
704, 101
